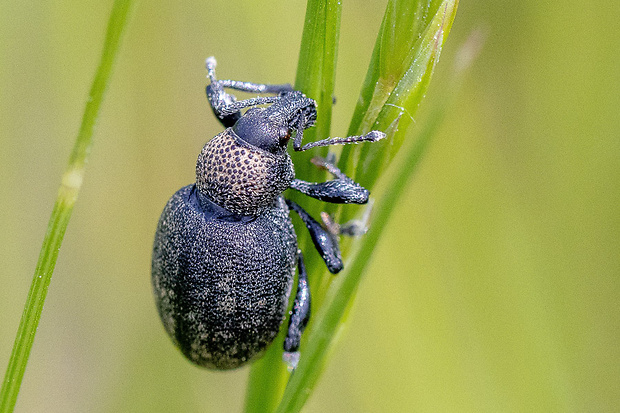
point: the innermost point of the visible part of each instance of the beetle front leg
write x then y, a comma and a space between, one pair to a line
225, 105
342, 190
300, 315
325, 242
336, 191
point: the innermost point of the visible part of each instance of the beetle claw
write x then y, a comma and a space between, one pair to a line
352, 228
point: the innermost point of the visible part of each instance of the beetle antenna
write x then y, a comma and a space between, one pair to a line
372, 136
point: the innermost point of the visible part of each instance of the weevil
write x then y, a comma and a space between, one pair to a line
225, 251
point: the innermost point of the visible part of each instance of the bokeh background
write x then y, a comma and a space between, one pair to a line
495, 287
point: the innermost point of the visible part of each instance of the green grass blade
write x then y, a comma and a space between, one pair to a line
328, 320
402, 24
267, 380
403, 100
400, 36
59, 219
404, 30
394, 105
402, 104
316, 73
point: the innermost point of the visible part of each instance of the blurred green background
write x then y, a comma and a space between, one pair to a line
495, 288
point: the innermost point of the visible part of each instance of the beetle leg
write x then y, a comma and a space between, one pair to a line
342, 190
337, 191
329, 164
299, 315
325, 242
352, 228
244, 86
256, 87
225, 105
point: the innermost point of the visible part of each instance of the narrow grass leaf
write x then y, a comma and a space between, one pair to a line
267, 380
403, 102
316, 73
59, 219
402, 26
328, 321
395, 113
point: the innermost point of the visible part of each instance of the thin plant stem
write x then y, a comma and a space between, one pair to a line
315, 77
59, 219
330, 317
406, 96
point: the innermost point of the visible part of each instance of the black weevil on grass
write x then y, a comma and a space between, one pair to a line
225, 250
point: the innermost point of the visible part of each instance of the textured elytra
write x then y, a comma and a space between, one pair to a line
239, 177
222, 313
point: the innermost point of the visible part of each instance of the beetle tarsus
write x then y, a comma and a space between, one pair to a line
329, 164
342, 190
225, 105
325, 242
352, 228
300, 314
291, 359
256, 87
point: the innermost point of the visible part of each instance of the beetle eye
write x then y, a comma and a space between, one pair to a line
285, 136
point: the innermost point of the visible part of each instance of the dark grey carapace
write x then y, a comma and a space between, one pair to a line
225, 251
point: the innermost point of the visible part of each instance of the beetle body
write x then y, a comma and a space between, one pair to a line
225, 250
222, 312
222, 279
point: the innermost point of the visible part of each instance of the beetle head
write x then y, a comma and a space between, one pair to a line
270, 128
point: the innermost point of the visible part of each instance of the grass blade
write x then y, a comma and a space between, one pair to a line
328, 321
401, 106
398, 44
404, 98
59, 219
316, 73
267, 380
